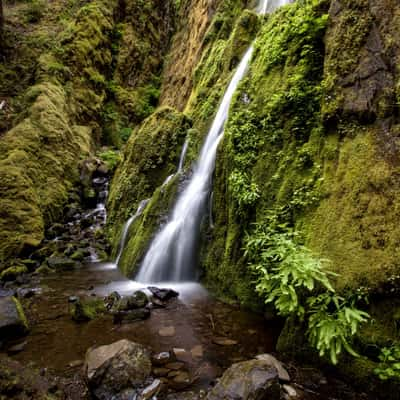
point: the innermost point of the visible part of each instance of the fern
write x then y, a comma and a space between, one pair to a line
289, 276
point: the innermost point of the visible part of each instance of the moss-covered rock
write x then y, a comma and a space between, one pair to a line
87, 309
151, 155
11, 273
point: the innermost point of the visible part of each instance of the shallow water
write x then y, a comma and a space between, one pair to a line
56, 341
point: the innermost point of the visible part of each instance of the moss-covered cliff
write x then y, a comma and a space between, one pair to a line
91, 73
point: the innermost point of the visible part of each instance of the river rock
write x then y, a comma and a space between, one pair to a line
163, 294
126, 317
12, 318
139, 299
271, 360
247, 380
113, 368
180, 381
112, 300
167, 331
60, 262
162, 358
151, 390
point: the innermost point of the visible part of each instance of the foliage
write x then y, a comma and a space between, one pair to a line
389, 366
297, 283
111, 158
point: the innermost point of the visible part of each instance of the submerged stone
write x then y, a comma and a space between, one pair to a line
126, 317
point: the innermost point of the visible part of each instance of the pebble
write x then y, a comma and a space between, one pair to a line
175, 365
167, 331
151, 390
162, 358
197, 351
290, 390
224, 341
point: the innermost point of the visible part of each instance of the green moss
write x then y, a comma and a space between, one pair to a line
12, 273
87, 309
144, 228
21, 314
37, 168
151, 155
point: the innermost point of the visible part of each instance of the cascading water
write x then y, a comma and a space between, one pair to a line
127, 225
171, 256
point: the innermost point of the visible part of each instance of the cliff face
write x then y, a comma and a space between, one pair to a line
94, 75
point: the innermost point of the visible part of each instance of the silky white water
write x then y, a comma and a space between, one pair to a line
172, 254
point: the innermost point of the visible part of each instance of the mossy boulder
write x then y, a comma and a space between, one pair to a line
12, 318
83, 310
12, 273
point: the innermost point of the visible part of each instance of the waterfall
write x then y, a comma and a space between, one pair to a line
127, 225
172, 253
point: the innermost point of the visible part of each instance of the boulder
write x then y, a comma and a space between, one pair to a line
271, 360
126, 317
11, 273
60, 262
163, 294
247, 380
137, 300
115, 368
12, 318
85, 309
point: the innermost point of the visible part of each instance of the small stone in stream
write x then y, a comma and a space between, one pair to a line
168, 331
73, 299
271, 360
159, 372
157, 303
180, 381
290, 390
112, 299
175, 365
151, 390
17, 348
127, 317
197, 351
182, 355
6, 292
75, 364
25, 293
162, 358
58, 262
139, 299
163, 294
247, 380
221, 341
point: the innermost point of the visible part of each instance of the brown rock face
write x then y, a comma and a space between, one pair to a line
362, 53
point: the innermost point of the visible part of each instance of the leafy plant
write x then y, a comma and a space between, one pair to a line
389, 366
111, 158
297, 283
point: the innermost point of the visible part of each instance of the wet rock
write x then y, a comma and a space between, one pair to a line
182, 355
290, 391
55, 230
167, 331
271, 360
73, 299
12, 273
17, 348
26, 293
162, 358
151, 390
221, 341
76, 363
112, 299
86, 309
60, 262
44, 270
255, 380
197, 351
175, 365
163, 294
78, 255
116, 367
180, 381
6, 292
160, 372
137, 300
12, 318
157, 303
126, 317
